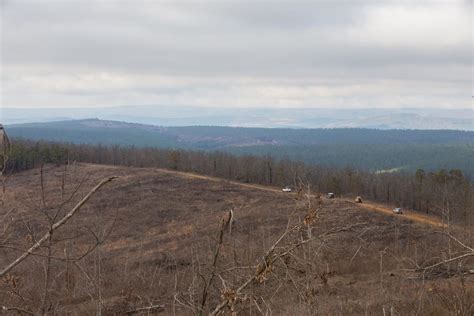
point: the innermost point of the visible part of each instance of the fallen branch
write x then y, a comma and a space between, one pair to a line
466, 255
16, 309
153, 308
55, 227
458, 241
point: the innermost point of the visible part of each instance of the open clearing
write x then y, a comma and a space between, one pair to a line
165, 225
371, 206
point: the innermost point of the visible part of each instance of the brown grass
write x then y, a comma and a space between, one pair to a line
164, 236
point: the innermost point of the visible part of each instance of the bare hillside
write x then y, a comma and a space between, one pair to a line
158, 239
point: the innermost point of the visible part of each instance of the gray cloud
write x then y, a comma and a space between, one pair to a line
241, 53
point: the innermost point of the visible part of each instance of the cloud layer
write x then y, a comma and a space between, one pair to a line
236, 54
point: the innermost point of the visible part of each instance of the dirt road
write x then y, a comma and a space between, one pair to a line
411, 215
371, 206
367, 205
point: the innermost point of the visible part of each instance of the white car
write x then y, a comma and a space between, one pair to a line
397, 210
286, 189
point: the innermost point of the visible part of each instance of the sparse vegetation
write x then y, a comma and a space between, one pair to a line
162, 245
445, 193
246, 158
147, 243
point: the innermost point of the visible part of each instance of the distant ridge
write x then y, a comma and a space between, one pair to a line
369, 149
425, 118
94, 130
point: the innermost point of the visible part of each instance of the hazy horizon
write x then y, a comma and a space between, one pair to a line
381, 118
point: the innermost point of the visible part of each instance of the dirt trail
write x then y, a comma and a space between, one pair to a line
372, 206
198, 176
411, 215
367, 205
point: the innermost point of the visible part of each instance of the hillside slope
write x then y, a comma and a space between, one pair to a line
161, 230
215, 137
367, 206
389, 149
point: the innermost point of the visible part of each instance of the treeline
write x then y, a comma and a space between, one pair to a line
373, 157
216, 137
366, 149
446, 193
322, 136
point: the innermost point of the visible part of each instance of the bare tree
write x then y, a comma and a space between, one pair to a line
55, 220
5, 153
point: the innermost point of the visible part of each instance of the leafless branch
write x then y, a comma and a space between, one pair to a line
153, 308
466, 255
16, 309
224, 224
270, 257
57, 225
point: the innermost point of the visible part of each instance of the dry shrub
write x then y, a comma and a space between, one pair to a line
453, 296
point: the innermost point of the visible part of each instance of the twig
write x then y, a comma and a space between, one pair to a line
224, 224
466, 255
458, 241
269, 258
55, 226
16, 309
355, 254
153, 308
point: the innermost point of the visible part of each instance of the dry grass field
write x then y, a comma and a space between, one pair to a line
151, 238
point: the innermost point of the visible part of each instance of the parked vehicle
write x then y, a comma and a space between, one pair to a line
286, 189
397, 210
331, 195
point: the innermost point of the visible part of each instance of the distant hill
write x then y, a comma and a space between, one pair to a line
370, 149
93, 131
408, 121
380, 118
218, 137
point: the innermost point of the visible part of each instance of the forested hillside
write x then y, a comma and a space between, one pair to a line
370, 149
374, 157
216, 137
94, 132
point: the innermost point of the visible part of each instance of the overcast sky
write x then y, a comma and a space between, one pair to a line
236, 54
